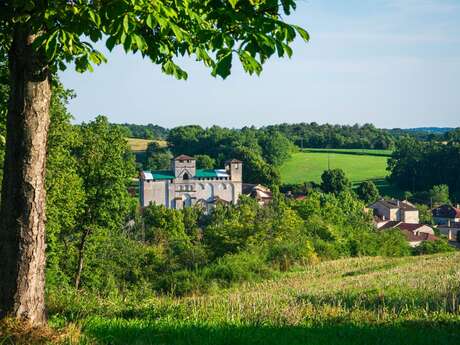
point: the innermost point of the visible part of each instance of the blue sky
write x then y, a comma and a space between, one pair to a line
394, 63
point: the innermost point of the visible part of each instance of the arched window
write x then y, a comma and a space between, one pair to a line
186, 176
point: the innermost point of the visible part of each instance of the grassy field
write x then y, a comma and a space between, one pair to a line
411, 300
139, 145
308, 166
385, 153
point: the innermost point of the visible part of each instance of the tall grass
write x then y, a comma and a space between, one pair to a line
411, 300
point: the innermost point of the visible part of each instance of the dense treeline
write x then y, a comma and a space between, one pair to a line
148, 131
313, 135
336, 136
418, 166
427, 133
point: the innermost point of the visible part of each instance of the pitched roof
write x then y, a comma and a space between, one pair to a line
233, 161
422, 236
390, 225
446, 211
404, 205
217, 199
184, 158
409, 227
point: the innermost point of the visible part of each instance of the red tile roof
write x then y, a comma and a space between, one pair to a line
422, 236
390, 224
410, 227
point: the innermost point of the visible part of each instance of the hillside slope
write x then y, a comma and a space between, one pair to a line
412, 300
308, 166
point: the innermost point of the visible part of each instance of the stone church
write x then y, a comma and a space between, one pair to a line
184, 185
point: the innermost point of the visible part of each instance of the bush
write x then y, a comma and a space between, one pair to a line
393, 243
181, 283
432, 247
286, 254
237, 268
326, 249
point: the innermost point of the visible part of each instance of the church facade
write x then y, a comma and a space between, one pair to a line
184, 185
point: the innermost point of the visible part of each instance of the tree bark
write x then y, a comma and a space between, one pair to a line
22, 213
81, 255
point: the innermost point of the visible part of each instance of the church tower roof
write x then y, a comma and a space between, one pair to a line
184, 158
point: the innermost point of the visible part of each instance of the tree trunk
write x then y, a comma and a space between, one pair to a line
81, 255
22, 213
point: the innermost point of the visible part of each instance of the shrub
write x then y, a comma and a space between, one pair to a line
393, 243
237, 268
432, 247
286, 254
326, 249
181, 283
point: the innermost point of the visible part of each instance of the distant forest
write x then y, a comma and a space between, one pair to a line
314, 135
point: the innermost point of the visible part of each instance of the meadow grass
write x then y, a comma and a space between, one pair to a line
139, 145
368, 152
412, 300
308, 166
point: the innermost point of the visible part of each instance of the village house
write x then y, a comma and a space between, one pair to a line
402, 215
261, 194
447, 218
184, 185
394, 210
415, 233
446, 214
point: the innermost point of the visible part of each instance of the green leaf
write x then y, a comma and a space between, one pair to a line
51, 45
303, 33
150, 21
177, 32
223, 66
169, 67
287, 49
110, 43
139, 41
250, 64
126, 23
127, 43
233, 3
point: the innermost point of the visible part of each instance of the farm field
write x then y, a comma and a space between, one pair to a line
411, 300
385, 153
139, 145
308, 166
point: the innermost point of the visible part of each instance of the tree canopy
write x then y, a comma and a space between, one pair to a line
335, 181
212, 31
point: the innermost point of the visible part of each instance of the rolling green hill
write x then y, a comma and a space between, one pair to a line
309, 165
411, 300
